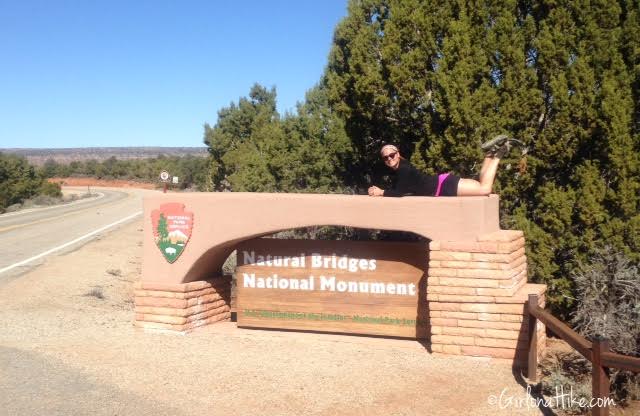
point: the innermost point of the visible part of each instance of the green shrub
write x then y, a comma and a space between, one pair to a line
608, 300
50, 189
566, 373
608, 306
18, 180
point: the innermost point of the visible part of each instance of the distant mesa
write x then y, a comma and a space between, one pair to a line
177, 237
38, 157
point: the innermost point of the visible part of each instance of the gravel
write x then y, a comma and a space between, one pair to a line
65, 350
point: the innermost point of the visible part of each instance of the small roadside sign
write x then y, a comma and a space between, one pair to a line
164, 176
175, 179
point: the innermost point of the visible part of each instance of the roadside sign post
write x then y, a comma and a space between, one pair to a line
164, 178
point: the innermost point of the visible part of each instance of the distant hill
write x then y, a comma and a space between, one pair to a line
39, 156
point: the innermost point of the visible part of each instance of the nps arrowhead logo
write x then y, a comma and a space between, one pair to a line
172, 227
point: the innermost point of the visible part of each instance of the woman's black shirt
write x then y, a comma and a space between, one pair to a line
410, 181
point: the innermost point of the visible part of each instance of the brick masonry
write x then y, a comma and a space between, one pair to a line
182, 307
476, 295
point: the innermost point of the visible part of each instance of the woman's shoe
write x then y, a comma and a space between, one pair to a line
501, 144
516, 142
502, 151
491, 146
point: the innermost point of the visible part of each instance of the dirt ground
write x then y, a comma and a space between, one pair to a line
68, 346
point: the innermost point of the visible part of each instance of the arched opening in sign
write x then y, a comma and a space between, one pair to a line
218, 259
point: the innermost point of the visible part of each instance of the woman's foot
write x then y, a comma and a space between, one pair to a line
502, 151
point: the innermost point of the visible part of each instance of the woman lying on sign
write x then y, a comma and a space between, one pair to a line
410, 181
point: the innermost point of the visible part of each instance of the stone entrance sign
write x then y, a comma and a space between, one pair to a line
465, 293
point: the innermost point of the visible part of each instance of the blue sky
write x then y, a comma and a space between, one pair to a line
150, 73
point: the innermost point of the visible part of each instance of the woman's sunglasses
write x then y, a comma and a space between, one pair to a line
389, 156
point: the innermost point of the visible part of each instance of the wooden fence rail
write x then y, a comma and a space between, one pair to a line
597, 352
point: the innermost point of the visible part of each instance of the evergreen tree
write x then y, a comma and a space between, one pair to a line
562, 76
50, 168
319, 147
253, 149
437, 79
163, 231
356, 85
230, 144
19, 181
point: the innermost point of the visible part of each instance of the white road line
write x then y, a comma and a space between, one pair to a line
53, 250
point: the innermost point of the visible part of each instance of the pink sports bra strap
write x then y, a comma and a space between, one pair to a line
441, 178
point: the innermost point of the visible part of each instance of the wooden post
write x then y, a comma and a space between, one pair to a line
600, 377
532, 364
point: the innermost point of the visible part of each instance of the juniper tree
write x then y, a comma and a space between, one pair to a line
438, 78
18, 180
252, 148
356, 84
318, 159
229, 140
585, 171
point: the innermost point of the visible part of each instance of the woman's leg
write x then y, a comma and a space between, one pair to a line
484, 184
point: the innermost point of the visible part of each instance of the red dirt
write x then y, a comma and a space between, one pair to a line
114, 183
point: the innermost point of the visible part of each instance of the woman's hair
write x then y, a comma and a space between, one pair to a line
389, 146
392, 147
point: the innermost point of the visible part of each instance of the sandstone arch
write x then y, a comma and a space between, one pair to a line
222, 220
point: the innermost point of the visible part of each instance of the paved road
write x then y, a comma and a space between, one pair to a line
27, 237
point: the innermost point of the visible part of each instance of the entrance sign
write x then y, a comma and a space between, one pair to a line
476, 297
172, 227
360, 287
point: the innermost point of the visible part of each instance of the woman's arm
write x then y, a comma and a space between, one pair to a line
401, 186
394, 192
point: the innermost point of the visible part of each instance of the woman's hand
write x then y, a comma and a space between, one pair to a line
375, 191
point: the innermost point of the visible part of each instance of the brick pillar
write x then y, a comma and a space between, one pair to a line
476, 294
182, 307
